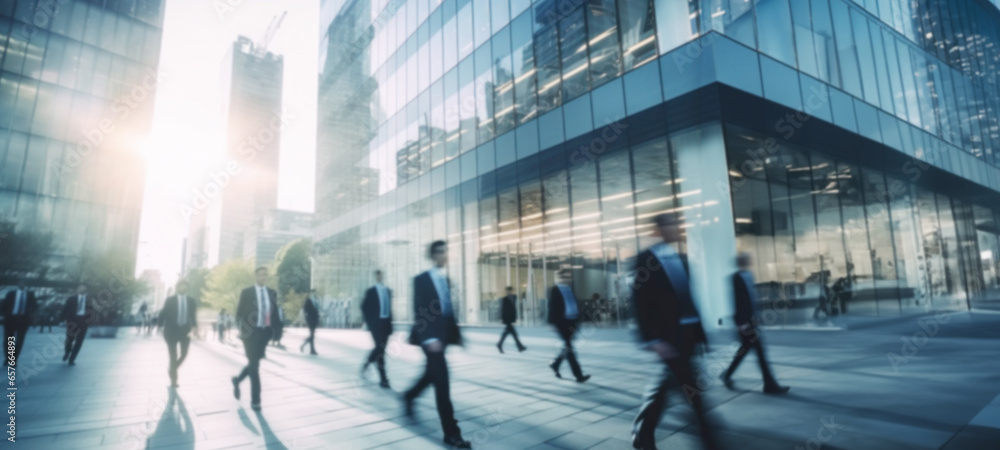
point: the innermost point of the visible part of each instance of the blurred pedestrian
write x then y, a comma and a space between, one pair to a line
177, 319
434, 329
564, 315
256, 317
376, 309
670, 326
311, 313
78, 312
747, 319
18, 308
508, 314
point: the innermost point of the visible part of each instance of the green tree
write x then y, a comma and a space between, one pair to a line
197, 279
294, 272
112, 283
25, 252
224, 284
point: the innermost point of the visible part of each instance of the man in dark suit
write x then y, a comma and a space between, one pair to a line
377, 311
18, 307
256, 317
176, 320
508, 314
78, 312
564, 315
434, 328
670, 326
311, 312
747, 319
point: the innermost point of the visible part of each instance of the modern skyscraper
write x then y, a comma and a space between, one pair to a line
252, 85
77, 87
272, 231
851, 144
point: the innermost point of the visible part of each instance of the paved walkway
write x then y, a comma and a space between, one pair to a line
848, 392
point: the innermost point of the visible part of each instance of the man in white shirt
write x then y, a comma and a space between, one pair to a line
564, 315
78, 312
256, 316
377, 311
177, 319
434, 328
18, 308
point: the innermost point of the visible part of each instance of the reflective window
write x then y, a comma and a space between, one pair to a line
677, 22
774, 30
548, 61
573, 49
734, 18
605, 53
524, 71
638, 31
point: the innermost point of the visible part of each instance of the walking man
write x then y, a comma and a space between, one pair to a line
18, 307
377, 312
670, 326
311, 312
508, 314
78, 312
176, 320
256, 315
564, 315
434, 329
747, 318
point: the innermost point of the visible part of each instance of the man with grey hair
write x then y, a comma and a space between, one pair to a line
747, 318
670, 326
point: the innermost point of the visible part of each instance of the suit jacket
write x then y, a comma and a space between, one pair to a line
508, 309
371, 309
557, 310
247, 312
429, 323
311, 312
744, 302
30, 306
657, 308
69, 311
168, 318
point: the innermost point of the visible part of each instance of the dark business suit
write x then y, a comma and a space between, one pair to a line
746, 314
16, 323
566, 328
508, 314
432, 321
176, 334
311, 312
77, 324
254, 338
659, 307
380, 328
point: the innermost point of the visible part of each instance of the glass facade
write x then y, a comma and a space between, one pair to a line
540, 135
77, 83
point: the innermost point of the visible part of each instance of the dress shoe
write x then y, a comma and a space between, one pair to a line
776, 390
408, 407
236, 388
255, 406
457, 442
583, 379
642, 444
555, 369
522, 348
313, 352
500, 347
385, 384
72, 363
727, 381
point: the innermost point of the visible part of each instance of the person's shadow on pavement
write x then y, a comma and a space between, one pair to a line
271, 440
174, 429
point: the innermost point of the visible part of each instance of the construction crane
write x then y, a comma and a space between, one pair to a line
260, 49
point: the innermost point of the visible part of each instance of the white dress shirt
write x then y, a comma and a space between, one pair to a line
81, 306
181, 310
383, 300
263, 307
19, 300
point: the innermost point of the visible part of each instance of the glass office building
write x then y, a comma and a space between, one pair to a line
77, 85
848, 145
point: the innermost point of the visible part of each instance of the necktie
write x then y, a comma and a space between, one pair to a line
384, 302
265, 310
445, 296
82, 309
19, 303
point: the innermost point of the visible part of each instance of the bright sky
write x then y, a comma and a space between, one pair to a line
188, 139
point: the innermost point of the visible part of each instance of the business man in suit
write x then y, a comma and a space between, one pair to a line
435, 328
564, 315
256, 316
176, 320
311, 312
508, 314
18, 307
747, 319
78, 312
670, 326
377, 311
